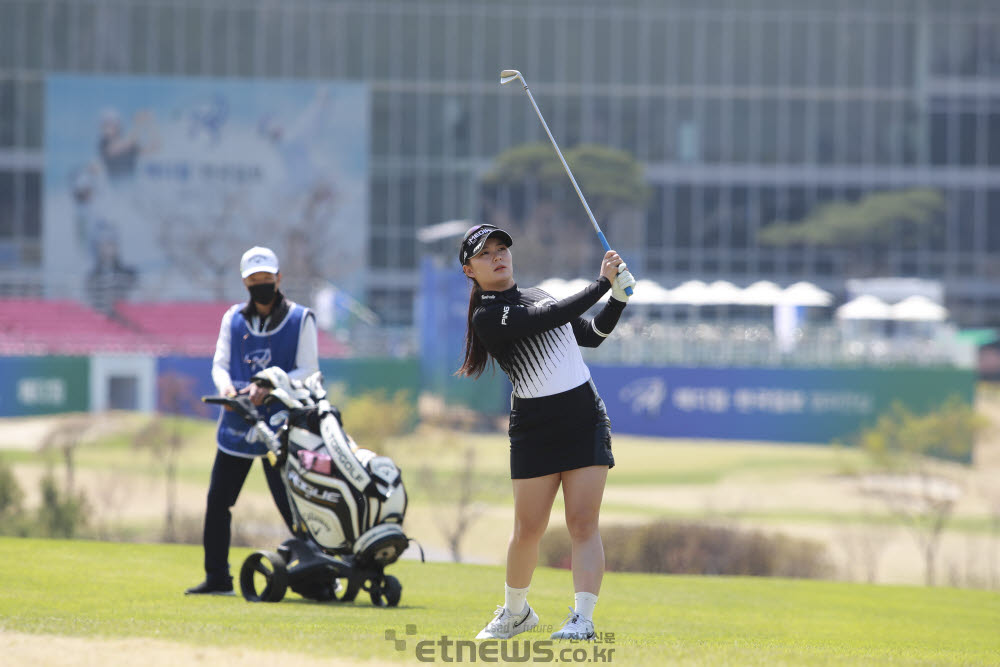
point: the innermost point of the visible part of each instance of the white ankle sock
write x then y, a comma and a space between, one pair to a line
514, 599
584, 604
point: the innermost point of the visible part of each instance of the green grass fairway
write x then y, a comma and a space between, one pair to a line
115, 590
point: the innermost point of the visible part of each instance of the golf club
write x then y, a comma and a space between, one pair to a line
508, 75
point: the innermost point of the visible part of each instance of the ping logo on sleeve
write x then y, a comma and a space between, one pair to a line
503, 318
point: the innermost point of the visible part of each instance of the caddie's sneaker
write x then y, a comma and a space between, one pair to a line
575, 627
505, 625
211, 588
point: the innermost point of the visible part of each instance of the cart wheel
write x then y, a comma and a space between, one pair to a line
387, 592
348, 589
264, 577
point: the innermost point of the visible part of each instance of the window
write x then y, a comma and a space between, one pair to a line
825, 47
8, 205
20, 206
32, 204
194, 34
993, 220
681, 62
8, 113
798, 42
711, 42
769, 52
166, 39
739, 218
992, 138
32, 112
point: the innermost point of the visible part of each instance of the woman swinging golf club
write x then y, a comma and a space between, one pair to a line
559, 429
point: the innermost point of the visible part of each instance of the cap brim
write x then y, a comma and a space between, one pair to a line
260, 269
504, 236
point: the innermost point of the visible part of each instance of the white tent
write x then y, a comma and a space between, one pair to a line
560, 289
692, 292
650, 292
805, 294
865, 307
761, 293
722, 293
919, 309
645, 291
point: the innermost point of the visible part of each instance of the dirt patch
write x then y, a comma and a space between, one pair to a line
31, 433
49, 650
25, 433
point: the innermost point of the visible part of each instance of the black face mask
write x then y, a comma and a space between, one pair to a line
262, 293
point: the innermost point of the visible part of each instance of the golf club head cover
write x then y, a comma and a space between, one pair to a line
282, 387
314, 383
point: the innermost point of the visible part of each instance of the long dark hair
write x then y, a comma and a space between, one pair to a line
476, 356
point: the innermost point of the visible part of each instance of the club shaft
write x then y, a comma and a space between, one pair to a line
579, 192
509, 75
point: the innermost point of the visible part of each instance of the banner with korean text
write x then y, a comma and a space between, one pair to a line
774, 404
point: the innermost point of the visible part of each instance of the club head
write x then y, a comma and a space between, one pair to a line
509, 75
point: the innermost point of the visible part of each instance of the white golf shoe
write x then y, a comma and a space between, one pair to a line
575, 627
505, 624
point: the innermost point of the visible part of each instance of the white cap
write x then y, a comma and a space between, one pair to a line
258, 259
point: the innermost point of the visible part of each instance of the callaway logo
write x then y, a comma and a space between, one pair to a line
258, 359
383, 468
503, 318
316, 523
489, 297
256, 259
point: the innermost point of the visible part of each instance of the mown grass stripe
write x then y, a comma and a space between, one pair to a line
97, 589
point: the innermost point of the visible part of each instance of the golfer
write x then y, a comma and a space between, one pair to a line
559, 429
267, 330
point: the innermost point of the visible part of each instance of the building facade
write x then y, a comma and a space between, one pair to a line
742, 112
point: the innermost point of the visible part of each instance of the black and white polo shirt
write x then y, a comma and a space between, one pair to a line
536, 339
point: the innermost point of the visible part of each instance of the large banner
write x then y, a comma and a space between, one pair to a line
789, 405
154, 187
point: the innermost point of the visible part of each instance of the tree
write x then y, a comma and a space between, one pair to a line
62, 513
65, 436
528, 193
11, 501
866, 228
206, 247
918, 491
204, 242
162, 436
455, 522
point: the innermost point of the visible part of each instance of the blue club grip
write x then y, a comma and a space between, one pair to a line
607, 247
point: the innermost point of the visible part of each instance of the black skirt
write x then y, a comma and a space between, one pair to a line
561, 432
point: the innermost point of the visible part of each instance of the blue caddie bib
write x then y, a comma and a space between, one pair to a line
250, 353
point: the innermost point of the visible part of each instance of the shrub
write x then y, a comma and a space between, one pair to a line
680, 548
11, 498
61, 513
372, 418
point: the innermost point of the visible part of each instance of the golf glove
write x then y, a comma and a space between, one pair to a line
622, 280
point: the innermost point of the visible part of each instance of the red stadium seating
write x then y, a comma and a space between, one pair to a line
187, 328
39, 326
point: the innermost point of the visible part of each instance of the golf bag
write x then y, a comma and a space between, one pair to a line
348, 503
